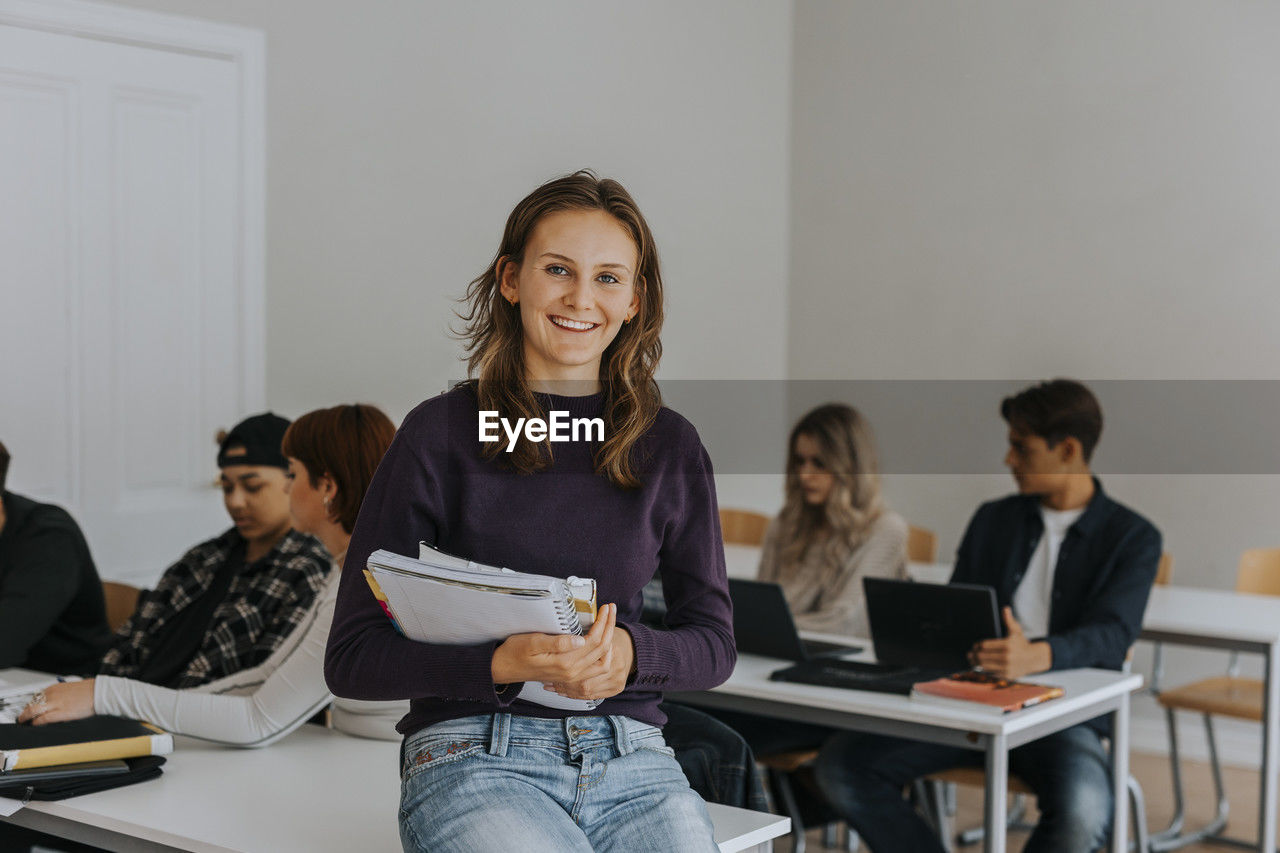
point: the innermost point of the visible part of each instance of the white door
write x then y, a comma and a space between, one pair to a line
123, 339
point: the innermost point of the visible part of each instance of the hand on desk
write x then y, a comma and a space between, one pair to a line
67, 701
579, 667
1015, 655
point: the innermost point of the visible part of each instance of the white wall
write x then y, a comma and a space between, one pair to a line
402, 132
1003, 190
1007, 190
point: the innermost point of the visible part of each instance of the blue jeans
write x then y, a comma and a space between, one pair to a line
863, 776
498, 782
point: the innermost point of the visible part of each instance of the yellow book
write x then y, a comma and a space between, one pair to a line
97, 738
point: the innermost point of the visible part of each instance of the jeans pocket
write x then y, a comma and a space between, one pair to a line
433, 752
650, 737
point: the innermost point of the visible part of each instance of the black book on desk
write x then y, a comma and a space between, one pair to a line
99, 738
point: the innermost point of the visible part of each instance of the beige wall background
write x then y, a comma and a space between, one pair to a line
401, 133
1001, 190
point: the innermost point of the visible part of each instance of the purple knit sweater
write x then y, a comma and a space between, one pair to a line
565, 520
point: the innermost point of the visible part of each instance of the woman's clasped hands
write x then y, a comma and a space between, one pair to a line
595, 666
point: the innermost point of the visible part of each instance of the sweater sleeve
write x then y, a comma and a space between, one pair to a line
842, 608
366, 657
36, 590
698, 651
287, 690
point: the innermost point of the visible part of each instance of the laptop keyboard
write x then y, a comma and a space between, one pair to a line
857, 675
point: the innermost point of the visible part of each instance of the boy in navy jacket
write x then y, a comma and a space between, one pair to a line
1072, 570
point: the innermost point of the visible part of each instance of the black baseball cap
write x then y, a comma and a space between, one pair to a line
260, 437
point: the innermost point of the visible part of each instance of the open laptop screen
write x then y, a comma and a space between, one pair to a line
929, 625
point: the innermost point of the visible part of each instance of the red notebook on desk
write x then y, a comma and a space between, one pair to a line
977, 690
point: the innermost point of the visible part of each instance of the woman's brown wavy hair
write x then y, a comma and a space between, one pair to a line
846, 449
494, 335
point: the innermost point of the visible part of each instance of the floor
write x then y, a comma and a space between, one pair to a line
1152, 771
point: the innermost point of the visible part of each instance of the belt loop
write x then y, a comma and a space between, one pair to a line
499, 734
621, 734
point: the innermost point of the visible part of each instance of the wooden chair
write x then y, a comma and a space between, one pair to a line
922, 545
1258, 573
121, 600
742, 526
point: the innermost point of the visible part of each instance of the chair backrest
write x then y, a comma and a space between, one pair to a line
1259, 571
1164, 569
121, 600
742, 526
922, 545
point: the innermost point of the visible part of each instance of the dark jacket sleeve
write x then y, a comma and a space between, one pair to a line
966, 569
43, 577
1112, 618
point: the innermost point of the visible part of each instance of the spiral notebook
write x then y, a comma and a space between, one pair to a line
440, 598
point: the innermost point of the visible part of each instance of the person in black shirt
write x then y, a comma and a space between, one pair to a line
1072, 570
52, 615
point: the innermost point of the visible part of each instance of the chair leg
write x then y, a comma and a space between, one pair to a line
1219, 821
783, 785
1138, 817
1014, 821
830, 834
1165, 841
1175, 775
932, 800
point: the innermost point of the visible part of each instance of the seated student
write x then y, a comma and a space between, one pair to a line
834, 529
332, 454
52, 616
229, 603
1072, 571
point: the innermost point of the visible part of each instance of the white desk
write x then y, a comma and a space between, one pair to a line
316, 790
1229, 620
1089, 693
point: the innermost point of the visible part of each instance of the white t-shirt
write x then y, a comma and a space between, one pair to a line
1031, 600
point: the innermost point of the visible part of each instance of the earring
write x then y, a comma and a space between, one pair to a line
326, 504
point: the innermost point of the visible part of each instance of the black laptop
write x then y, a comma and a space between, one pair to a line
920, 631
763, 624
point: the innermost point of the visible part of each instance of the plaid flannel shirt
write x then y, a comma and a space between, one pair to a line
261, 608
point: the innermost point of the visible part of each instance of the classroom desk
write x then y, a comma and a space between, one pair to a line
1089, 693
1219, 619
316, 790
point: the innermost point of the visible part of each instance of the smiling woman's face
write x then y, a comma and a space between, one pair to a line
575, 289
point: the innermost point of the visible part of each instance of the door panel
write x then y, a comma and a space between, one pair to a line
119, 259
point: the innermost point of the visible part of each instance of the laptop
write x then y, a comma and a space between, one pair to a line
763, 625
920, 631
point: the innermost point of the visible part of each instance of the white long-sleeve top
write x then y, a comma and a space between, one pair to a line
255, 707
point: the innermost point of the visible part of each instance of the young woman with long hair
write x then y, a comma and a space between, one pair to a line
834, 528
566, 318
